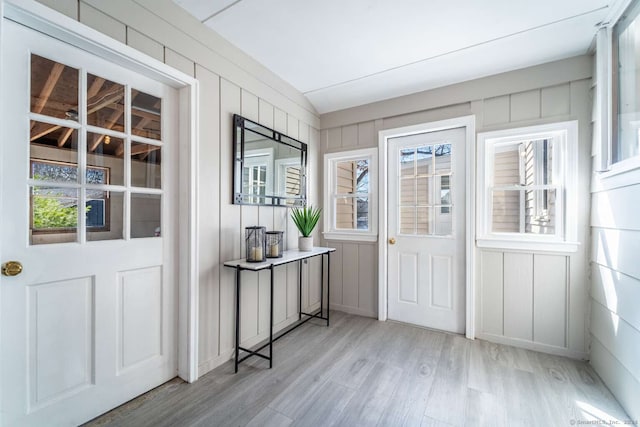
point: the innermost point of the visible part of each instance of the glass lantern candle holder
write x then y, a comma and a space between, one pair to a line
275, 246
255, 243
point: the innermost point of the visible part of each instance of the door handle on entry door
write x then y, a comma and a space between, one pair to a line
392, 241
11, 268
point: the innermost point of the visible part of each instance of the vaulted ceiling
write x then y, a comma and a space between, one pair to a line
343, 53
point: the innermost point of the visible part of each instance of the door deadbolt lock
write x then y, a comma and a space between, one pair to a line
11, 268
392, 241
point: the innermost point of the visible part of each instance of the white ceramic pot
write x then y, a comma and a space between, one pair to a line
305, 243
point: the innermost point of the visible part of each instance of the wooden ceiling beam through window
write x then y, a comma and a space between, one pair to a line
62, 139
47, 89
95, 87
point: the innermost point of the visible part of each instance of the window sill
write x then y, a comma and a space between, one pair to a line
356, 237
528, 245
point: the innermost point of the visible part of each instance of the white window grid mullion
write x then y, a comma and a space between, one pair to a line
82, 155
143, 140
55, 121
105, 131
127, 163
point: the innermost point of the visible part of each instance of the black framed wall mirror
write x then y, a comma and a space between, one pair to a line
269, 168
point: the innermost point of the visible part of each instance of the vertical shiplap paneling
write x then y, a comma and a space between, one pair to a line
67, 7
350, 274
525, 106
334, 138
178, 61
496, 110
336, 273
148, 46
209, 216
367, 135
550, 299
229, 214
491, 294
97, 20
518, 295
556, 100
367, 278
578, 267
292, 233
280, 223
250, 302
266, 218
349, 136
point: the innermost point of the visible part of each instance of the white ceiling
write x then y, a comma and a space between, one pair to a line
344, 53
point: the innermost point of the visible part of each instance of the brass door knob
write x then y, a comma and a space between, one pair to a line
11, 268
392, 241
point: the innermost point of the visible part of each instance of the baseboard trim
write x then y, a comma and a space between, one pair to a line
354, 310
530, 345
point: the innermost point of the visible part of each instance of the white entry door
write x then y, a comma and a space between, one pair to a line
426, 247
88, 210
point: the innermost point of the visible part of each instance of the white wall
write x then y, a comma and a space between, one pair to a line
530, 299
615, 277
230, 82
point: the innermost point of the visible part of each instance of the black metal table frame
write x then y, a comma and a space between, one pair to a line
316, 315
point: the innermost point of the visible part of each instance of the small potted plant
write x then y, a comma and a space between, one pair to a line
305, 218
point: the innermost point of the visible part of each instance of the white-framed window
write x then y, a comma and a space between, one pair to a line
350, 204
527, 188
625, 65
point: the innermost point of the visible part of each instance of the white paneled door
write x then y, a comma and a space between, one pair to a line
426, 231
88, 211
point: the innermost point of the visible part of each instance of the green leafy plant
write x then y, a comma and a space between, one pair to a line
306, 218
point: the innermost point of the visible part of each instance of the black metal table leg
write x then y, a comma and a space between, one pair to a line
321, 284
271, 320
238, 271
300, 290
328, 284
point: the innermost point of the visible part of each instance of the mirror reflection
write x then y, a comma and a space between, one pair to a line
269, 166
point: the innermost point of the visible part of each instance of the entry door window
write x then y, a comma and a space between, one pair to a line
94, 143
425, 203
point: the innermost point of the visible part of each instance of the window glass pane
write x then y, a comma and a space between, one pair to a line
346, 177
424, 187
145, 115
540, 211
407, 192
506, 164
424, 160
104, 217
146, 212
408, 220
51, 161
424, 221
54, 89
407, 162
363, 213
105, 103
346, 213
293, 181
54, 215
444, 187
146, 165
443, 158
536, 162
443, 221
105, 153
626, 68
506, 211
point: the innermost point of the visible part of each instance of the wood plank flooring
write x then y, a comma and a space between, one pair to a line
361, 372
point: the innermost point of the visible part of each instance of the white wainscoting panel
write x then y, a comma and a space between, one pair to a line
140, 327
61, 333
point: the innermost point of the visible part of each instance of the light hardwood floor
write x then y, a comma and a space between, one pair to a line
364, 372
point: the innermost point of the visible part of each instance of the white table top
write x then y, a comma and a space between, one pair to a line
287, 256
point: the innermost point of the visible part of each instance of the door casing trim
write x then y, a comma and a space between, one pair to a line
52, 23
469, 123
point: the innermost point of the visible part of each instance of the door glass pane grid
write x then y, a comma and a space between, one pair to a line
425, 203
95, 159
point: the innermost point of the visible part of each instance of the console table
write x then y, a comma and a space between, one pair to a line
287, 258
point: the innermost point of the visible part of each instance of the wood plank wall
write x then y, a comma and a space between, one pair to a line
530, 299
615, 279
230, 82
